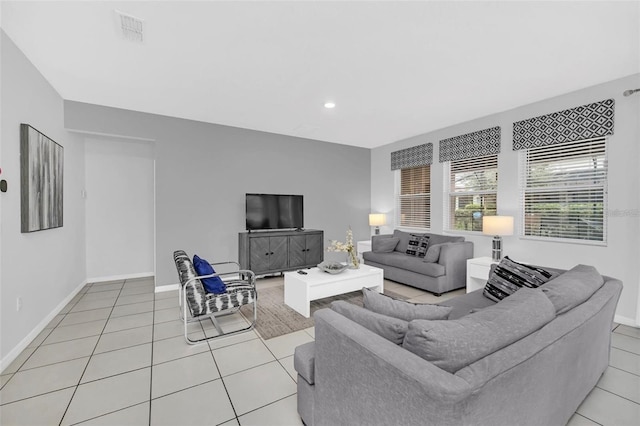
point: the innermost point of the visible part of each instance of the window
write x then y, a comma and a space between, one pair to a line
564, 190
472, 192
414, 197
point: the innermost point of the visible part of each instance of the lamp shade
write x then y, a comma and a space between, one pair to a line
377, 219
497, 225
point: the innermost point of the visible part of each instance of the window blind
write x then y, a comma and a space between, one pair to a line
564, 190
471, 192
413, 198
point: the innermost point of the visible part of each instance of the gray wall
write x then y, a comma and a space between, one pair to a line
45, 267
619, 258
204, 170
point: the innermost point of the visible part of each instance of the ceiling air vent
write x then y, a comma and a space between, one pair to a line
132, 28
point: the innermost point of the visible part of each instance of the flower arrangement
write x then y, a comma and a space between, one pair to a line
348, 247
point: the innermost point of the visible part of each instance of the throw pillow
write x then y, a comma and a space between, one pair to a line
573, 287
392, 329
211, 284
454, 344
417, 245
401, 309
384, 245
510, 276
433, 253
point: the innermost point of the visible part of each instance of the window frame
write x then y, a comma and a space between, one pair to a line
523, 156
450, 192
398, 196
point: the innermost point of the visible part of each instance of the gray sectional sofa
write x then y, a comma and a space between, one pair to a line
442, 269
556, 348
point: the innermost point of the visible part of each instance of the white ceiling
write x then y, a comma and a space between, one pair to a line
394, 69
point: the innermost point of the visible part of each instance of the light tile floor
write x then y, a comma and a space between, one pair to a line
116, 356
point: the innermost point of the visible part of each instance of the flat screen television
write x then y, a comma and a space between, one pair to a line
274, 211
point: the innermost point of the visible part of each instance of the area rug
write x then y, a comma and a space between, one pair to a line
276, 319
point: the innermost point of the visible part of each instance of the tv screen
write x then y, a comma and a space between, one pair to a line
274, 211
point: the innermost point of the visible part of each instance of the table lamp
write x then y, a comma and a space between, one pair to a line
377, 220
497, 226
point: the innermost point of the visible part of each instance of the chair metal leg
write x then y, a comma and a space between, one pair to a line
212, 317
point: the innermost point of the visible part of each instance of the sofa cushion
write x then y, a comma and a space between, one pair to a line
417, 245
304, 361
384, 245
454, 344
441, 239
573, 287
406, 262
510, 276
392, 329
401, 309
414, 264
433, 253
463, 305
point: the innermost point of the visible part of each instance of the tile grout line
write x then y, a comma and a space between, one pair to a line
224, 385
619, 396
625, 350
591, 420
624, 371
41, 344
89, 361
266, 405
278, 361
153, 330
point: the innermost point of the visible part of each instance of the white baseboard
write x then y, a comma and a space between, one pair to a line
120, 277
626, 321
168, 287
13, 354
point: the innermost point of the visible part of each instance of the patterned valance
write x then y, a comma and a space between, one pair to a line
415, 156
475, 144
583, 122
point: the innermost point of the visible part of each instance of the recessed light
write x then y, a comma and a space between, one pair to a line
329, 105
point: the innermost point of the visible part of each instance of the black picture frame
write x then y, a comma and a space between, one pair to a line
41, 181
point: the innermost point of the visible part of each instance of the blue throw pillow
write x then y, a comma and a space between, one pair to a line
211, 284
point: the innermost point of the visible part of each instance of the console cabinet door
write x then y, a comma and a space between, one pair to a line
278, 253
315, 249
297, 251
259, 254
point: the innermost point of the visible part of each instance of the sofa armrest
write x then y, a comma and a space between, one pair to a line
304, 360
356, 365
453, 256
380, 237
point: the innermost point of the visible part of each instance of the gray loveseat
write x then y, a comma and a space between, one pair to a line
442, 269
351, 375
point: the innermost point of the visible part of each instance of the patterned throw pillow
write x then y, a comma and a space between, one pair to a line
510, 276
418, 245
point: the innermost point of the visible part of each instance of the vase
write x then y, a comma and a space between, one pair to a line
352, 260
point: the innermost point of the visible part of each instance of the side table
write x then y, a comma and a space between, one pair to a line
361, 247
478, 272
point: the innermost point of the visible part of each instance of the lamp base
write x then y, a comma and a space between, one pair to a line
377, 230
496, 248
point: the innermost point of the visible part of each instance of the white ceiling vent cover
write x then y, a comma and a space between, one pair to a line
132, 27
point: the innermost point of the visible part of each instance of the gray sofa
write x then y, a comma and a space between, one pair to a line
351, 375
443, 269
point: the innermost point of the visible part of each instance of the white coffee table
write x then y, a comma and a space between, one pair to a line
300, 290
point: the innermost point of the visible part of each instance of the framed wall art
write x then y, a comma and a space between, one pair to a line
41, 174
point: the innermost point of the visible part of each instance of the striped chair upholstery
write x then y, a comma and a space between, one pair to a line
200, 303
